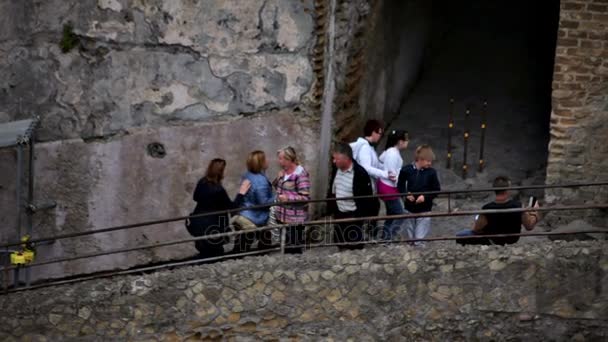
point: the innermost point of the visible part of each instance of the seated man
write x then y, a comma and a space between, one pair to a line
507, 223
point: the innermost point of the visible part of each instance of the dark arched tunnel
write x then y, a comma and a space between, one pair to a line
423, 53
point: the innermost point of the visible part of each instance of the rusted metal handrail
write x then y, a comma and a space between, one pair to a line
314, 223
309, 246
140, 269
263, 206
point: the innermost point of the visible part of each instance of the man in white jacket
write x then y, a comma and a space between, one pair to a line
365, 154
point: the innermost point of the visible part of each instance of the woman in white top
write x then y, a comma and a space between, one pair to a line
392, 163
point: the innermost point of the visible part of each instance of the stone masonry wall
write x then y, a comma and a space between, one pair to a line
379, 51
578, 150
544, 291
396, 45
141, 63
112, 79
354, 23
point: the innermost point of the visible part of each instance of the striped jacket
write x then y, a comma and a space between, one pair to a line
297, 188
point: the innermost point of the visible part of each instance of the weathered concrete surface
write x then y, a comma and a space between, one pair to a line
551, 292
396, 46
114, 182
207, 79
139, 63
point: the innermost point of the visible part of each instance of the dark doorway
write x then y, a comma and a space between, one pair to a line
502, 52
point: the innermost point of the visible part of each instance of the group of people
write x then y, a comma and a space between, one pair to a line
292, 183
359, 171
357, 175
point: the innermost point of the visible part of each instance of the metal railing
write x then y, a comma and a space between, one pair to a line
448, 193
282, 229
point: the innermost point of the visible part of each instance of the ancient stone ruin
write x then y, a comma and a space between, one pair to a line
134, 97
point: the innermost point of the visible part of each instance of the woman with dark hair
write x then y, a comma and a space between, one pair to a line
392, 162
259, 194
211, 196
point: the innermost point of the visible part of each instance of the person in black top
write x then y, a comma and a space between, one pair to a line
211, 196
507, 223
418, 176
349, 179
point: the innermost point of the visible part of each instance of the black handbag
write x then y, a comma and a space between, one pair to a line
193, 228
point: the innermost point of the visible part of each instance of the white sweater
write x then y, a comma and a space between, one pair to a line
367, 157
392, 162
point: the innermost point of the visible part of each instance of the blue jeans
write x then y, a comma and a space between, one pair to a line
466, 232
417, 228
470, 232
392, 227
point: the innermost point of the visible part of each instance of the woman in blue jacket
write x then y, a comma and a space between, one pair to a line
260, 193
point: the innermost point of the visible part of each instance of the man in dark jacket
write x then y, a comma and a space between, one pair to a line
349, 179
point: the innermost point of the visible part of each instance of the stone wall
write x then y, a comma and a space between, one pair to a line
579, 121
354, 23
441, 292
380, 47
140, 63
110, 78
396, 45
117, 182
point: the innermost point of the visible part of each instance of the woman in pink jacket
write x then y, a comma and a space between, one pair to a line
292, 184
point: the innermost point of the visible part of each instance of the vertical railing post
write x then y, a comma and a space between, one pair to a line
16, 277
7, 273
30, 186
484, 116
18, 186
450, 128
30, 202
465, 166
449, 203
19, 204
283, 232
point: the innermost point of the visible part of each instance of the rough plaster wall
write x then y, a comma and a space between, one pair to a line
160, 78
442, 292
151, 62
578, 151
116, 182
8, 184
205, 78
396, 47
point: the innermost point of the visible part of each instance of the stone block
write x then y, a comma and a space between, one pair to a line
571, 6
597, 8
567, 42
567, 24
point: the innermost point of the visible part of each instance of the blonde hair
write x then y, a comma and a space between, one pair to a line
256, 161
424, 152
289, 153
